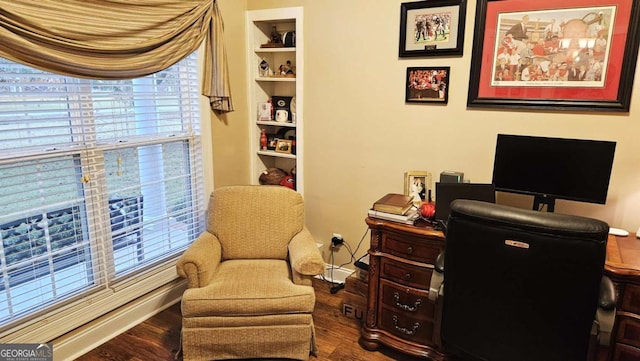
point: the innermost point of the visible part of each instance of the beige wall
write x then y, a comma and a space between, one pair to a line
360, 136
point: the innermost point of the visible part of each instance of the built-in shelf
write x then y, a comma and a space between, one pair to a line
275, 78
271, 153
276, 124
275, 50
263, 86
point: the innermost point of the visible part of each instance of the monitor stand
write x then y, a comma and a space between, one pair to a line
543, 199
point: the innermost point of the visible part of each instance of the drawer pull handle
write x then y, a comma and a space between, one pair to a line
409, 250
413, 308
407, 276
404, 330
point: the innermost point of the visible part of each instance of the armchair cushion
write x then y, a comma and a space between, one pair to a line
264, 218
249, 288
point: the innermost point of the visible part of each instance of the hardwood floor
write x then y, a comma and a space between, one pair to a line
158, 338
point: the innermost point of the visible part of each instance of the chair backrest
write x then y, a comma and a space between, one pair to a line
519, 284
254, 222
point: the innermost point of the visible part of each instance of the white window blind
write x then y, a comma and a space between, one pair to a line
100, 184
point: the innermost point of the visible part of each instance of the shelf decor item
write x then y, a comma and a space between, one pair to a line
282, 103
275, 40
427, 85
571, 55
284, 146
264, 111
432, 28
263, 139
265, 69
417, 185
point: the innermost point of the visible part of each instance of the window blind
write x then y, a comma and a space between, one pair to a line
100, 183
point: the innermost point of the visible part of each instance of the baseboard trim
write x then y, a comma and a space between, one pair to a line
335, 274
102, 329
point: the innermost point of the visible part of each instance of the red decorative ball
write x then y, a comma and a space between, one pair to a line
428, 210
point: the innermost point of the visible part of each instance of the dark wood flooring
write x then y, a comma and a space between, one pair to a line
158, 338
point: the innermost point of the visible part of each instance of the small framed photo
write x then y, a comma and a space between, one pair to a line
432, 28
418, 185
284, 146
427, 85
264, 111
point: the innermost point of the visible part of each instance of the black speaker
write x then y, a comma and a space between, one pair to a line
451, 177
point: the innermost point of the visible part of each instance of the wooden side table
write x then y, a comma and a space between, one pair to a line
623, 267
399, 312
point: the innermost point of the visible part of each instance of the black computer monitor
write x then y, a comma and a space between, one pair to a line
553, 168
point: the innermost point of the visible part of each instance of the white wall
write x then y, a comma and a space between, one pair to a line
361, 136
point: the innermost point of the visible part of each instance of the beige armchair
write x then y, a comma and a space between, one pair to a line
249, 277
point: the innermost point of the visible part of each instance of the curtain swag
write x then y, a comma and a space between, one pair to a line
117, 39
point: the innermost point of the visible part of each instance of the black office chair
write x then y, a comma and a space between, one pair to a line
521, 285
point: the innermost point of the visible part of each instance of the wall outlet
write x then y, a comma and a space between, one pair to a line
336, 241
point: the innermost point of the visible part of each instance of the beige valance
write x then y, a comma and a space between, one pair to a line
115, 39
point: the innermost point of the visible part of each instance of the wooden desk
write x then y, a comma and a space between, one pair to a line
400, 315
623, 267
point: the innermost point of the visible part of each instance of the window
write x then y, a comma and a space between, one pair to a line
100, 182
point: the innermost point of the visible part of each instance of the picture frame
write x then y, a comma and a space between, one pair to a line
575, 55
432, 28
418, 184
284, 146
427, 85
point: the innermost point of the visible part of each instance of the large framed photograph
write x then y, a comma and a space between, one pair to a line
569, 55
432, 28
427, 85
417, 184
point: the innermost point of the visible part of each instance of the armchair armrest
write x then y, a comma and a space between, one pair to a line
198, 263
304, 256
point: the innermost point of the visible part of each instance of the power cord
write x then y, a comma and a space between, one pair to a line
338, 286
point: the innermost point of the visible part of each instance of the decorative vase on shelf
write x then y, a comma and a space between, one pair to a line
263, 139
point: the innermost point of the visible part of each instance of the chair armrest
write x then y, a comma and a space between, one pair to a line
437, 278
304, 255
606, 312
607, 297
198, 263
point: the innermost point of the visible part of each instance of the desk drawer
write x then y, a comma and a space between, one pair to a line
405, 247
628, 330
626, 353
406, 301
631, 299
408, 328
406, 274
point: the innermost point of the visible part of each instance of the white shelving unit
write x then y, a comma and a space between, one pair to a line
261, 88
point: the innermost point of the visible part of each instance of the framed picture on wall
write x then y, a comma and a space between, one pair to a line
427, 85
545, 54
432, 28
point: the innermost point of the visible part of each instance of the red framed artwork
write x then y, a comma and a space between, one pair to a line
569, 55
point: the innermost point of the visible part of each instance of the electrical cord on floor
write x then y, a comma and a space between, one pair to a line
338, 286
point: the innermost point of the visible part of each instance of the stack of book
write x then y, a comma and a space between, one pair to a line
396, 208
